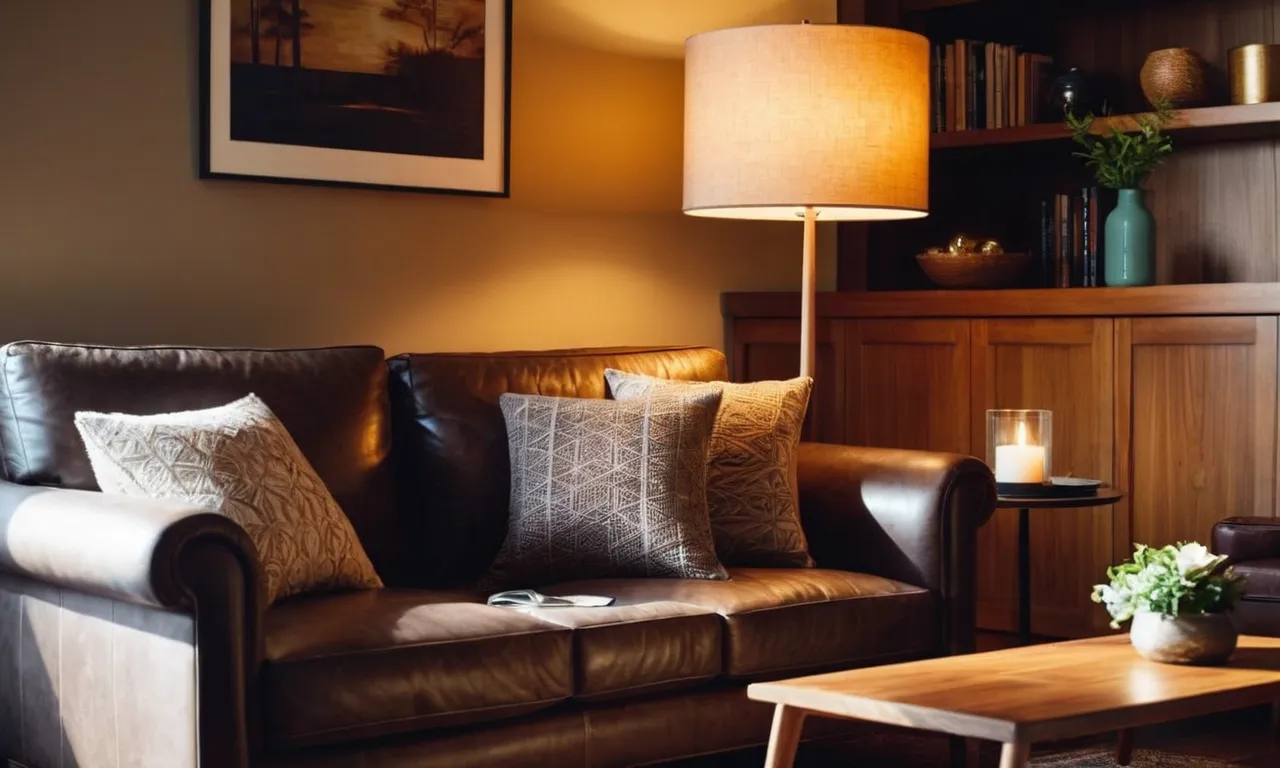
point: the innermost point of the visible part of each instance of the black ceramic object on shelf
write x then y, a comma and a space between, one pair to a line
1071, 90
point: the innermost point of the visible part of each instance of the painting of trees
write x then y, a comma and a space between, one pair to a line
392, 76
440, 33
277, 21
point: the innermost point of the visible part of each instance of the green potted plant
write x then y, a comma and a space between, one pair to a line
1178, 598
1122, 161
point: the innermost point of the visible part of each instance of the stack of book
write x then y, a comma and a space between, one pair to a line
1069, 239
985, 85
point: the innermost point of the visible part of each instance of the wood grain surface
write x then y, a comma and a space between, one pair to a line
1037, 693
1063, 365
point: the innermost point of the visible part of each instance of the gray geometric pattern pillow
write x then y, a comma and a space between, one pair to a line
239, 460
752, 489
601, 488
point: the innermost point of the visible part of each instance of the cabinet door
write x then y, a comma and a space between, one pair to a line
1195, 425
1063, 365
764, 350
908, 384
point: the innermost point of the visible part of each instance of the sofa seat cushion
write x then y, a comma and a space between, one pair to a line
632, 648
782, 621
348, 666
1261, 578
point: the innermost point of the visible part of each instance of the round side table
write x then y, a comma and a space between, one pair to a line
1024, 504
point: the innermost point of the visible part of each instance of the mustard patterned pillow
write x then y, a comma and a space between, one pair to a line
752, 493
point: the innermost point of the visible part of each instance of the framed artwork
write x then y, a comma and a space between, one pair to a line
392, 94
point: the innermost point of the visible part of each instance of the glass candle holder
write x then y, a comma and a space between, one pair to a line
1019, 447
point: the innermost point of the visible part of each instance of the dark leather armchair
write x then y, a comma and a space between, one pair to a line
1252, 546
137, 632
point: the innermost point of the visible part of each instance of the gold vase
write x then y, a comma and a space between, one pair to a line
1254, 72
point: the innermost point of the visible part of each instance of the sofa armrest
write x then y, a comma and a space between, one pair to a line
119, 547
911, 516
1247, 538
169, 596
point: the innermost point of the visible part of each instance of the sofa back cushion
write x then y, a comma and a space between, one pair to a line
451, 440
333, 401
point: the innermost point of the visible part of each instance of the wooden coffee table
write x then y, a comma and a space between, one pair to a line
1024, 695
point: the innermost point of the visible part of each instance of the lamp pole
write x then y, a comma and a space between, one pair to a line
808, 291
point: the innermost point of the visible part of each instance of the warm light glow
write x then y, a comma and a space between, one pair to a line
832, 116
1020, 463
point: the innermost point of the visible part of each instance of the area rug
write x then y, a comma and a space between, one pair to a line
1142, 758
906, 749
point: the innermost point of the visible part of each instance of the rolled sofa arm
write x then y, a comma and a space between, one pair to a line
911, 516
1247, 538
119, 547
165, 595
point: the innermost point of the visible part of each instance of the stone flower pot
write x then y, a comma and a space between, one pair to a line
1206, 639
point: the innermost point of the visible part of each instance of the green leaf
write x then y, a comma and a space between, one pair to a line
1118, 159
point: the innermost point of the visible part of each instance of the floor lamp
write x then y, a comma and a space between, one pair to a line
819, 122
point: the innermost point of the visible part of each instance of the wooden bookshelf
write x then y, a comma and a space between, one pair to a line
917, 6
1217, 300
1169, 392
1231, 122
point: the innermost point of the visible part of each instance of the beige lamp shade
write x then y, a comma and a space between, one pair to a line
783, 117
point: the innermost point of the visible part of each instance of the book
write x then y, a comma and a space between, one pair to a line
1011, 85
995, 86
1077, 238
1045, 244
949, 83
528, 598
983, 85
1059, 217
937, 90
975, 117
1066, 246
1040, 67
990, 92
1086, 236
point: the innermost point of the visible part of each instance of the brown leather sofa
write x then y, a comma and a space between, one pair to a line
135, 632
1252, 547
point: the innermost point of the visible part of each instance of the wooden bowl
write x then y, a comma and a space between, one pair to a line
1179, 75
974, 269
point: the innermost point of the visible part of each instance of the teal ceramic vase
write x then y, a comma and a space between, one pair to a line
1129, 247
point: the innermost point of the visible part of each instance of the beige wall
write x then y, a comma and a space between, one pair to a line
107, 235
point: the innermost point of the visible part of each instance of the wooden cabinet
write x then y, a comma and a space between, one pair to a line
1174, 403
907, 384
1196, 425
769, 349
1064, 365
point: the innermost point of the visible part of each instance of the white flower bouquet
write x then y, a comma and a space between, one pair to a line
1169, 581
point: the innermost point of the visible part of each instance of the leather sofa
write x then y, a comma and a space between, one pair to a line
1252, 547
135, 632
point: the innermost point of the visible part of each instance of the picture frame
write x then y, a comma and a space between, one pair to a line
410, 95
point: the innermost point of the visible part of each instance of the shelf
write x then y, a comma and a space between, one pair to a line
1156, 300
1237, 121
917, 6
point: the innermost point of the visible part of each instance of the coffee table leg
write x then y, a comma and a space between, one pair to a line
1124, 747
1024, 576
785, 737
1015, 755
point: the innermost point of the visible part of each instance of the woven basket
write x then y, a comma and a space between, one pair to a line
974, 269
1176, 74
